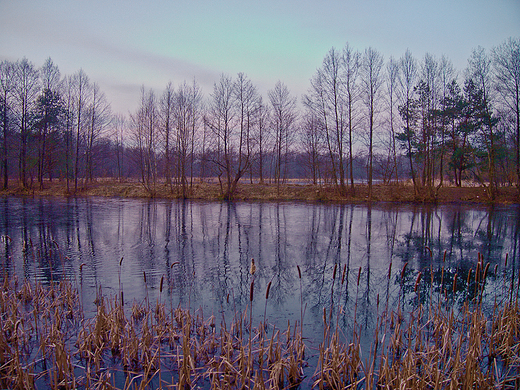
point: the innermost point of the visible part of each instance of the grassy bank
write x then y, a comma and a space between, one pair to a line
47, 342
273, 192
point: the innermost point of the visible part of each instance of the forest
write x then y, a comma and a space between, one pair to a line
364, 119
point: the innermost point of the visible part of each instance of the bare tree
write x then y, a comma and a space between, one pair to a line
183, 134
283, 118
408, 67
187, 111
446, 76
7, 82
221, 121
146, 137
351, 62
372, 80
247, 101
167, 123
99, 117
26, 91
81, 85
332, 72
506, 61
69, 101
311, 144
49, 113
263, 135
326, 100
317, 115
196, 110
428, 91
392, 79
119, 126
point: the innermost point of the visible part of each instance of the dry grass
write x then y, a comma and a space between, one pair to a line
46, 342
402, 192
438, 345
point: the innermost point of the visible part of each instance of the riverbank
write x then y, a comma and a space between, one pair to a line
271, 192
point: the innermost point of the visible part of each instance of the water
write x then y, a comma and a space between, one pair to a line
202, 251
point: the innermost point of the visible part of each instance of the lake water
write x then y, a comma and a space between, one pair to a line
203, 252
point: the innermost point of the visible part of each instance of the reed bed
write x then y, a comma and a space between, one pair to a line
46, 341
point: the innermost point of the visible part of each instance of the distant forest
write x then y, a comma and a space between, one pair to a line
362, 119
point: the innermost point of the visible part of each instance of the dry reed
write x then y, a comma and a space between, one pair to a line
46, 342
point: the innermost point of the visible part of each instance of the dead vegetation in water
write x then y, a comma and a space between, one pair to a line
435, 346
46, 342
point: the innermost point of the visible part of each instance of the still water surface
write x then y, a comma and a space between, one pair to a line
203, 252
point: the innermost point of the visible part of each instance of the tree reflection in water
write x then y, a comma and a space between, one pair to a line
203, 252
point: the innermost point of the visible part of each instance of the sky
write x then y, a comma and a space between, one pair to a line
125, 44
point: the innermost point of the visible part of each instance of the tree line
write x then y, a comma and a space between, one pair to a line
51, 126
362, 118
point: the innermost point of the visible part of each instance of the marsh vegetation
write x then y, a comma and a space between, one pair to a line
46, 341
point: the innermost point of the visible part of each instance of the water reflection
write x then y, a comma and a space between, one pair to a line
351, 257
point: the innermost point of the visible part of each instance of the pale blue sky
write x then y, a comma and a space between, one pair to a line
125, 44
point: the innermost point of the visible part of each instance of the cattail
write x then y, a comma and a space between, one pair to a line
334, 272
390, 271
227, 298
505, 264
267, 291
417, 281
121, 261
455, 283
252, 268
358, 276
251, 289
144, 275
496, 269
485, 271
344, 273
161, 285
122, 299
469, 276
403, 270
325, 316
299, 271
444, 257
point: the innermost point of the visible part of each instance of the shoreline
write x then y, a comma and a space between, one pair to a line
396, 193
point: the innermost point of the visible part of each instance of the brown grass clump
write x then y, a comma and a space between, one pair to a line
435, 346
45, 342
